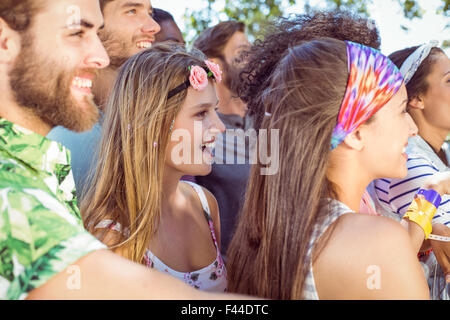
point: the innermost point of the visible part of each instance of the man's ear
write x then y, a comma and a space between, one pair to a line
416, 103
355, 140
10, 43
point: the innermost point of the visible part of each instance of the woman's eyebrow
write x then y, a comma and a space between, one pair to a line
205, 105
202, 105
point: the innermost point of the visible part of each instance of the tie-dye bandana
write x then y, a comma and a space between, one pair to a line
373, 80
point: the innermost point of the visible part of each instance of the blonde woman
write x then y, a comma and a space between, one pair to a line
136, 203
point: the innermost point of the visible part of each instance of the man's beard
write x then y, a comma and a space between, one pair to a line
117, 50
231, 77
44, 88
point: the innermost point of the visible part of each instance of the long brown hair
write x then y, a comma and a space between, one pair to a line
268, 254
127, 182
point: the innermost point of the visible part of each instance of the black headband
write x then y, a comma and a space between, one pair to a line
187, 83
178, 89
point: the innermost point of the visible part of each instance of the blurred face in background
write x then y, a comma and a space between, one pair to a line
169, 32
231, 53
436, 101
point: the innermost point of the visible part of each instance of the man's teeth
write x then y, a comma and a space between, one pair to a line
82, 83
144, 44
404, 150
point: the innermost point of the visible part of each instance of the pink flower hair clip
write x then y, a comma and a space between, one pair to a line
198, 78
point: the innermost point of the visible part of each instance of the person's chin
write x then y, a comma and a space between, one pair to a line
199, 170
83, 97
84, 112
401, 173
206, 169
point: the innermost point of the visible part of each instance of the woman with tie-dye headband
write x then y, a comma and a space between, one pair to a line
340, 111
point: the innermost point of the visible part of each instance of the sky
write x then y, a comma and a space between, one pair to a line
387, 14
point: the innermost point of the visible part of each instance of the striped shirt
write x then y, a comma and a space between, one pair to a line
392, 197
336, 209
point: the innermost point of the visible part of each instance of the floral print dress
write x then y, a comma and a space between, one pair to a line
211, 278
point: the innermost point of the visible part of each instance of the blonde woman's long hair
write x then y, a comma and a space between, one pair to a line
126, 185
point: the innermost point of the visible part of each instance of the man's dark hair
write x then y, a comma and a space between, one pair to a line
288, 32
213, 40
160, 15
18, 14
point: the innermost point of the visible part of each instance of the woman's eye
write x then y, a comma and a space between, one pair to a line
201, 114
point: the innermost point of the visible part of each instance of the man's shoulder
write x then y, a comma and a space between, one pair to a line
27, 193
15, 174
39, 235
75, 140
27, 263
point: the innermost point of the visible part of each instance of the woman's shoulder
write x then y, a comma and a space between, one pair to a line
212, 206
360, 246
111, 233
368, 227
211, 201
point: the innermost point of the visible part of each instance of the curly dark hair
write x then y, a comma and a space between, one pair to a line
288, 32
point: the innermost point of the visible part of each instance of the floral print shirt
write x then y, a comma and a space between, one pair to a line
41, 230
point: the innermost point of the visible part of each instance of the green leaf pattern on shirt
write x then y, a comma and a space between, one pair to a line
41, 231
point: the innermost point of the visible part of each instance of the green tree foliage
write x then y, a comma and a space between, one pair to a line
255, 13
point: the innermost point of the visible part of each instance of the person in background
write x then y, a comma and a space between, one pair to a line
129, 28
426, 69
47, 62
156, 219
169, 29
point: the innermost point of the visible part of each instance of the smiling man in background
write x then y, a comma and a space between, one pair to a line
129, 28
